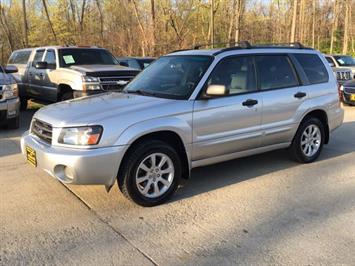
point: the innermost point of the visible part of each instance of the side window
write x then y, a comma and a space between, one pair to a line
50, 57
237, 74
313, 67
38, 57
330, 61
12, 59
275, 72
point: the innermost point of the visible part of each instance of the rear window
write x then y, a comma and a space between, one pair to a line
313, 68
275, 72
20, 57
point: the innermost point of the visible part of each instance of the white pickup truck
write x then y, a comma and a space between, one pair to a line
56, 73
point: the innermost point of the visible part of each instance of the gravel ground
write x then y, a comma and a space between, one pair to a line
263, 209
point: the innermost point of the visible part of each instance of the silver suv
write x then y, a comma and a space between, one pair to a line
189, 109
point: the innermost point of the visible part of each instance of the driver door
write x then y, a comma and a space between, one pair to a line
231, 123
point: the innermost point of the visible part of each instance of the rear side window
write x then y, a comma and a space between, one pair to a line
20, 57
275, 72
313, 67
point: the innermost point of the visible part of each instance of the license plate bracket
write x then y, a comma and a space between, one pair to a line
31, 156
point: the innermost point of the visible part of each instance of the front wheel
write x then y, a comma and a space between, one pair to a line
151, 173
308, 141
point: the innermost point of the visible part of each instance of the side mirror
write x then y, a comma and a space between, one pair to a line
216, 90
41, 65
11, 69
125, 64
331, 64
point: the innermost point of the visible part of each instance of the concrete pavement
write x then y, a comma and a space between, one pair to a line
262, 209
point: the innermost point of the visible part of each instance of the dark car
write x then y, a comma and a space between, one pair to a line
347, 92
9, 101
136, 62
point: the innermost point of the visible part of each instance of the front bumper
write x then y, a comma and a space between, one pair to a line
76, 166
9, 109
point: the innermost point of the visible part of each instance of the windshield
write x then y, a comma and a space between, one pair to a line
345, 60
171, 76
78, 56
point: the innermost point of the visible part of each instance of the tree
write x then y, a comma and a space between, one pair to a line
294, 21
49, 20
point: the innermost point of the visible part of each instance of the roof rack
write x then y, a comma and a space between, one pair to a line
296, 45
236, 45
247, 45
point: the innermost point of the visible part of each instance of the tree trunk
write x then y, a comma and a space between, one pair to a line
212, 23
49, 20
81, 22
5, 28
346, 26
238, 18
152, 13
231, 22
25, 26
313, 22
144, 41
101, 22
334, 26
294, 20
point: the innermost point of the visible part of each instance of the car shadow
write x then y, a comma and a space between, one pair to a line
212, 177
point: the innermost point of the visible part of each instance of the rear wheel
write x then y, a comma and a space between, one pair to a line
308, 141
151, 173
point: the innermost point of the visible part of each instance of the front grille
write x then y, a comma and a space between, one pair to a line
343, 75
115, 83
349, 90
42, 130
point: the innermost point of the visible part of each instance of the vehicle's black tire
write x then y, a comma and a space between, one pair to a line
130, 167
23, 103
296, 151
13, 123
68, 95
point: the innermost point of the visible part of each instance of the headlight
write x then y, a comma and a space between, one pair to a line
90, 79
9, 91
341, 88
91, 83
89, 135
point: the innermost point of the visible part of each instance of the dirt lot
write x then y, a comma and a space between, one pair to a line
263, 209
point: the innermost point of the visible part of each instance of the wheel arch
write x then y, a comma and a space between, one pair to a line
323, 117
168, 136
63, 88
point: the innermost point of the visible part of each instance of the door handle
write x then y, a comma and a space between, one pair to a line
250, 102
300, 95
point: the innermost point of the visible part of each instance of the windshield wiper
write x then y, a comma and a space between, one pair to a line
141, 92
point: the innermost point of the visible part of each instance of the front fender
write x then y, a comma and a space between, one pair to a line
179, 126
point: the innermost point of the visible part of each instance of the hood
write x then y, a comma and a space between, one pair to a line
95, 69
100, 108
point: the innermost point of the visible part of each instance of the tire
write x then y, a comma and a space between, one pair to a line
141, 158
68, 95
311, 134
14, 123
23, 103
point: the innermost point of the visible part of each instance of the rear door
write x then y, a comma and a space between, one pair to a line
282, 96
